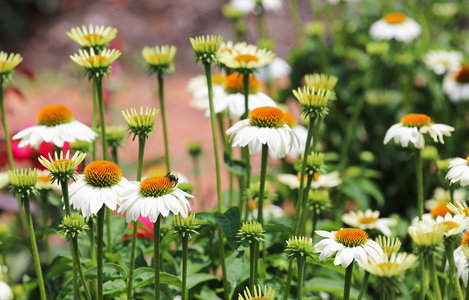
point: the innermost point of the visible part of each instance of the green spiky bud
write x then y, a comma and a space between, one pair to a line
194, 148
115, 135
315, 28
185, 226
206, 48
81, 146
23, 182
299, 247
73, 225
140, 124
251, 231
253, 192
318, 200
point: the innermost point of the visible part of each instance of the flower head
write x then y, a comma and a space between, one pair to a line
321, 81
185, 226
313, 102
412, 129
56, 125
299, 246
245, 58
320, 180
93, 37
206, 47
442, 196
96, 65
390, 266
395, 25
152, 197
319, 200
257, 294
442, 61
251, 231
73, 225
265, 125
62, 168
100, 184
44, 181
369, 220
159, 59
458, 171
7, 64
426, 236
453, 225
23, 182
456, 83
389, 245
115, 136
348, 244
140, 124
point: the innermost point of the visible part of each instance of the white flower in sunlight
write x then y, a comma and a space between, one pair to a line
458, 171
265, 125
442, 196
348, 244
152, 197
369, 220
425, 233
93, 35
247, 6
5, 291
456, 84
441, 61
412, 129
391, 266
453, 225
277, 69
395, 25
55, 125
324, 180
245, 57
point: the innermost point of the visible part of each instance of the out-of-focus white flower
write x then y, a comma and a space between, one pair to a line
442, 61
458, 171
395, 25
5, 291
247, 6
392, 266
442, 196
456, 84
277, 69
324, 180
369, 220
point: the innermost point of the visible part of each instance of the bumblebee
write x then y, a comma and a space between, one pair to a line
173, 176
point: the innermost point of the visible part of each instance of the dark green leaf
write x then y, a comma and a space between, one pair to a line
237, 167
145, 276
195, 279
230, 223
110, 272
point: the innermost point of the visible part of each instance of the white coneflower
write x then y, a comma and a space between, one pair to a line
456, 84
441, 61
395, 25
369, 220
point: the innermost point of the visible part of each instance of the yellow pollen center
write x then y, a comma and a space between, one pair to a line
465, 239
53, 115
3, 64
162, 57
466, 211
44, 179
218, 79
388, 250
395, 18
270, 117
234, 84
448, 225
246, 58
367, 220
156, 186
62, 162
416, 120
142, 118
440, 210
387, 266
316, 176
290, 120
463, 75
93, 37
351, 237
102, 173
99, 57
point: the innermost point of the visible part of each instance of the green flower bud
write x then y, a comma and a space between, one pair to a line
299, 247
23, 182
73, 225
185, 226
251, 231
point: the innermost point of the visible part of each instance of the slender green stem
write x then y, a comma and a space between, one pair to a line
434, 277
115, 158
286, 293
45, 221
156, 257
99, 90
452, 270
260, 205
296, 19
304, 209
301, 275
364, 285
261, 25
160, 76
195, 161
130, 280
76, 257
315, 222
348, 281
256, 263
223, 264
245, 150
141, 150
100, 242
351, 128
382, 295
467, 291
418, 171
4, 274
5, 129
92, 252
34, 251
95, 119
108, 229
185, 244
221, 127
422, 277
76, 292
252, 263
64, 185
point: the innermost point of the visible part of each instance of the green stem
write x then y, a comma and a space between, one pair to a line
76, 292
364, 285
223, 264
115, 158
245, 150
163, 115
195, 161
301, 272
130, 280
422, 278
382, 295
4, 276
351, 127
260, 205
99, 89
76, 257
296, 19
452, 270
261, 25
156, 257
304, 209
95, 119
255, 272
315, 222
221, 127
108, 229
45, 221
64, 185
5, 129
141, 150
418, 171
434, 277
92, 252
286, 293
35, 253
348, 281
100, 242
252, 264
185, 244
467, 291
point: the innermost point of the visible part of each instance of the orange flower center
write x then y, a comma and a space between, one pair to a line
102, 173
270, 117
466, 211
463, 75
246, 58
218, 79
440, 210
156, 186
3, 64
465, 239
395, 18
53, 115
63, 163
415, 120
100, 58
45, 179
448, 225
387, 266
93, 37
290, 120
388, 250
316, 176
144, 119
234, 84
367, 220
351, 237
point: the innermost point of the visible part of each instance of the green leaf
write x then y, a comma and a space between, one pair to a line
59, 266
237, 167
205, 218
373, 190
11, 243
118, 228
352, 189
195, 279
230, 223
327, 263
238, 270
146, 276
110, 272
114, 286
330, 285
277, 228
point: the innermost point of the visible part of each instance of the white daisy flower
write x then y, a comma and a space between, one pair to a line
232, 99
300, 131
461, 257
265, 125
412, 129
396, 26
152, 197
369, 220
456, 84
324, 180
348, 244
459, 207
441, 61
392, 266
453, 225
100, 184
93, 35
91, 60
247, 6
442, 196
9, 62
458, 171
197, 86
425, 233
44, 181
55, 125
5, 291
246, 57
270, 211
277, 69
